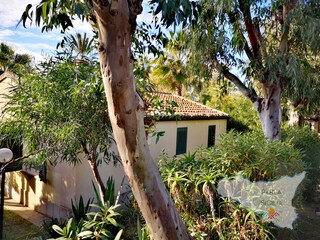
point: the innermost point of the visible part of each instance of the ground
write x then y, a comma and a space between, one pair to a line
17, 228
306, 226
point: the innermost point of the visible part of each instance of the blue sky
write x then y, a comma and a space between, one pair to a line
31, 40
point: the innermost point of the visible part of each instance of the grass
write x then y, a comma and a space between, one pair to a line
17, 228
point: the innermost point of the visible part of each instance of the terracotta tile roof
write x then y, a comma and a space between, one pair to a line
186, 109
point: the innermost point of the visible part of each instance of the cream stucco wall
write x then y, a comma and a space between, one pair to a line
52, 198
65, 182
197, 135
85, 177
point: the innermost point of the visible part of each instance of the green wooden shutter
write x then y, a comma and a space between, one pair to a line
211, 135
181, 146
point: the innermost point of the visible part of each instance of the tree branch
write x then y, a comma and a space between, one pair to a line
251, 30
234, 21
283, 47
23, 157
249, 93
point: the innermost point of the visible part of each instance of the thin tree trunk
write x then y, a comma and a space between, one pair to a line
97, 177
179, 89
126, 116
293, 116
95, 171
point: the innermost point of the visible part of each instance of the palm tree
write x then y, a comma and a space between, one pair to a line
80, 46
170, 71
13, 62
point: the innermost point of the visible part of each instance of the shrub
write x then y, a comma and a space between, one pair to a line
80, 210
192, 181
100, 224
47, 226
309, 144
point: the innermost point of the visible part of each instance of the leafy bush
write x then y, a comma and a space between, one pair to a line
309, 144
80, 210
47, 226
100, 224
192, 181
243, 115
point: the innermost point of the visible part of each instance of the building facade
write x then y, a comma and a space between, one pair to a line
192, 125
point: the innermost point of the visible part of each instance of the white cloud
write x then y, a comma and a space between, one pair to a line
81, 27
5, 33
145, 16
31, 40
37, 46
22, 49
11, 11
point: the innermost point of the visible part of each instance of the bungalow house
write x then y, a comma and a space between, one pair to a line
194, 125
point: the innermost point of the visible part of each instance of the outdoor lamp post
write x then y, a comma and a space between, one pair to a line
5, 156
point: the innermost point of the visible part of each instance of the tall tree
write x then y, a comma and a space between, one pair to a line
115, 22
169, 70
262, 47
59, 111
13, 62
79, 46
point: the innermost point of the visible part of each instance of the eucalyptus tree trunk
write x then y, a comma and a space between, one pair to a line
269, 111
115, 25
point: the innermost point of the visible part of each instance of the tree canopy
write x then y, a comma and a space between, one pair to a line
59, 111
13, 62
264, 48
115, 23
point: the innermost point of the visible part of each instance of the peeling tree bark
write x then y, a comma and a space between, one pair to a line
268, 107
126, 116
269, 111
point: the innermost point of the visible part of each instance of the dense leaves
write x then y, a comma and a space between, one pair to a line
13, 62
80, 47
192, 180
264, 48
54, 14
60, 108
169, 70
309, 145
103, 223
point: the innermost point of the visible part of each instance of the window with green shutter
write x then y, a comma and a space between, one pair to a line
181, 146
211, 135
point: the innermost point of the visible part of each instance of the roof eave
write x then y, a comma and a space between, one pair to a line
177, 118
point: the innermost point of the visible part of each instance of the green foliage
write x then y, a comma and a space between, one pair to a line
169, 70
109, 196
142, 231
80, 47
72, 230
192, 180
99, 224
175, 12
309, 144
47, 226
242, 115
79, 210
60, 108
13, 62
256, 45
53, 14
